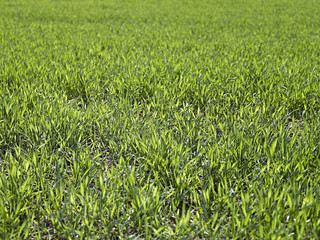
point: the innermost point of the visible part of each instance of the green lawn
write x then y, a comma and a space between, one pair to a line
168, 119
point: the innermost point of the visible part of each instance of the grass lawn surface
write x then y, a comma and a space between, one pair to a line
171, 119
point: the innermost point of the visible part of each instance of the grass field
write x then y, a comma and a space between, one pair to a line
190, 119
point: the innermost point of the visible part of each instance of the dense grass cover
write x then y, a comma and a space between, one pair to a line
159, 119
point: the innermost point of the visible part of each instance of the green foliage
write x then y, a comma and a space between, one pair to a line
159, 119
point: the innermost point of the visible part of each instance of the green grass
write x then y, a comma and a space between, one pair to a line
160, 119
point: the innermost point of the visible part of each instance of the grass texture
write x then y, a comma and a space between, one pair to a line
189, 119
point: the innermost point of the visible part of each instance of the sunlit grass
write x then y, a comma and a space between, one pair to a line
170, 119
